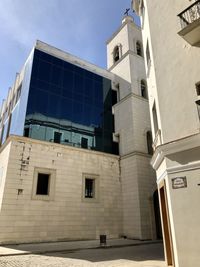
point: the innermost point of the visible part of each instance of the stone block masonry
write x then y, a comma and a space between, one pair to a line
65, 213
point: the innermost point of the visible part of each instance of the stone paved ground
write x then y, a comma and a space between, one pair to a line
134, 256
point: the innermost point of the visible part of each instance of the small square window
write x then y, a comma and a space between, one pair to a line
90, 187
43, 184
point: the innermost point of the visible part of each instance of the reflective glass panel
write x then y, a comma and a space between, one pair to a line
70, 101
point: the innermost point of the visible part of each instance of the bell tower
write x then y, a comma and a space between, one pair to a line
132, 128
125, 54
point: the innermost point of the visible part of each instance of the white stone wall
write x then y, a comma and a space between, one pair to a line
132, 123
67, 215
172, 73
138, 186
138, 178
184, 216
182, 206
126, 36
121, 69
119, 38
174, 70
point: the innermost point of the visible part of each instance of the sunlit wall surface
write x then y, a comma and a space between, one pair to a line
69, 105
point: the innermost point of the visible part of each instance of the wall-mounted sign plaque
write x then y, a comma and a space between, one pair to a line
179, 182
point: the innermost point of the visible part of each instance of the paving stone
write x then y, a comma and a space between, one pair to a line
137, 256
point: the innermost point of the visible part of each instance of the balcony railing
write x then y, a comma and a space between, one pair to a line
190, 14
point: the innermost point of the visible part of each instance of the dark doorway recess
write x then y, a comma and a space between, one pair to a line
157, 215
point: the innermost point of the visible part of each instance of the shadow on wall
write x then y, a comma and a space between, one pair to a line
185, 157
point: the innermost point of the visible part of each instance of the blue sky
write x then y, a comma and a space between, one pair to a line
76, 26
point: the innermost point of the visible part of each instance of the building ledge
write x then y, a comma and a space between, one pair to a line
128, 53
191, 33
56, 52
136, 153
175, 146
22, 139
190, 24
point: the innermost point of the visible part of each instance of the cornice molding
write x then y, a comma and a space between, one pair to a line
175, 146
135, 153
127, 53
178, 169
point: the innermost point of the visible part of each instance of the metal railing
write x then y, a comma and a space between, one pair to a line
190, 14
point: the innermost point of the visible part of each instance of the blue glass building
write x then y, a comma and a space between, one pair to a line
58, 101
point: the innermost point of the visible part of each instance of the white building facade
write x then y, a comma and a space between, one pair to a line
171, 42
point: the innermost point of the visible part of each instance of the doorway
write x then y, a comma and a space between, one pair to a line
157, 215
166, 227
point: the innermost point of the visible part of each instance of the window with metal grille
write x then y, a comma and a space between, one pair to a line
89, 188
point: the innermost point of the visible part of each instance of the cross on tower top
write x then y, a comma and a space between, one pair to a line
126, 12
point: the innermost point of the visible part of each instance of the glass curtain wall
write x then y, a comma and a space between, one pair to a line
69, 105
13, 119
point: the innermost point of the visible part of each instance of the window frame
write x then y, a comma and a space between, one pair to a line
51, 183
95, 178
91, 193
